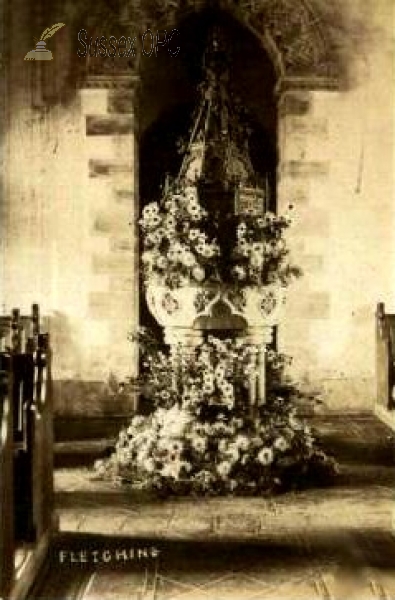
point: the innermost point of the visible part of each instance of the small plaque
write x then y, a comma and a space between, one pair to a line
249, 201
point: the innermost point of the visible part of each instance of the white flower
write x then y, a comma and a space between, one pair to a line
170, 206
208, 251
227, 390
257, 248
199, 444
265, 456
149, 465
224, 468
173, 254
233, 453
161, 262
153, 239
188, 259
174, 422
150, 210
232, 484
295, 423
240, 272
223, 445
204, 357
208, 388
171, 469
198, 273
148, 257
124, 456
241, 229
194, 234
100, 467
191, 193
219, 373
142, 456
176, 446
281, 444
138, 420
170, 222
242, 442
194, 210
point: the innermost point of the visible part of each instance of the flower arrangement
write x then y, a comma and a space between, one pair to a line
176, 248
260, 255
179, 251
201, 437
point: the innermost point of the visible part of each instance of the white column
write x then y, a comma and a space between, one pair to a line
262, 374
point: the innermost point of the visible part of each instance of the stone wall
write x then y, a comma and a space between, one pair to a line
336, 168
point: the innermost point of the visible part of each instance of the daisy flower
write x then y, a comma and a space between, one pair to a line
265, 456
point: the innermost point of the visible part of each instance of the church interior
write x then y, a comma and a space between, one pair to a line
218, 173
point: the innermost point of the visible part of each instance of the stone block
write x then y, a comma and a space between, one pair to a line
191, 526
121, 101
307, 126
101, 225
70, 520
109, 124
112, 263
305, 168
124, 197
295, 103
107, 168
145, 524
125, 244
99, 523
94, 101
237, 524
123, 283
112, 222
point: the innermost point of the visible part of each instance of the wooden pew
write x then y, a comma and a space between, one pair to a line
385, 358
7, 545
26, 467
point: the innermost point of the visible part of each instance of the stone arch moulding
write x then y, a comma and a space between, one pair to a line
291, 31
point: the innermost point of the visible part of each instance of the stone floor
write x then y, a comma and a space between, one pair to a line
361, 497
328, 543
303, 567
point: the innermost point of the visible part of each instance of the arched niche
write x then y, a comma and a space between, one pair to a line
168, 96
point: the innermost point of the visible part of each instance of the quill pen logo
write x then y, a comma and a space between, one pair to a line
40, 52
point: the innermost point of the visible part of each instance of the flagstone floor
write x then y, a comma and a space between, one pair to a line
363, 496
308, 567
322, 544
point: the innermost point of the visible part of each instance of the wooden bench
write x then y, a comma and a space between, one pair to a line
26, 447
385, 359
